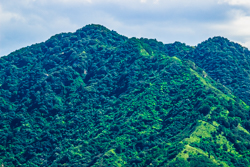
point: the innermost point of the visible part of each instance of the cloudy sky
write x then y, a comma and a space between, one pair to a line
25, 22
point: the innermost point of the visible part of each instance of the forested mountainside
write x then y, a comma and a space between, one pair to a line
226, 62
97, 98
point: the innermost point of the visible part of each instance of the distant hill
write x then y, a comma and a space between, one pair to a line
97, 98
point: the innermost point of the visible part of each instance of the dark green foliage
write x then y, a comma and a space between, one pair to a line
201, 161
96, 98
205, 109
195, 161
246, 124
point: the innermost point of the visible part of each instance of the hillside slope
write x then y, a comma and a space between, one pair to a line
225, 61
96, 98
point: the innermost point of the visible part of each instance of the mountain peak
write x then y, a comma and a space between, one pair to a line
97, 98
221, 41
94, 27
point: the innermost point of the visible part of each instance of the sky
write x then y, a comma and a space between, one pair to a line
26, 22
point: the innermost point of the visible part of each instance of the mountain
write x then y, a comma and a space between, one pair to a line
226, 62
97, 98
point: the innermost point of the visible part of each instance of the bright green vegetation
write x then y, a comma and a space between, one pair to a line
96, 98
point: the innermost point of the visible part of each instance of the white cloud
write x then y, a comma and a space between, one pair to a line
191, 21
237, 29
236, 2
6, 16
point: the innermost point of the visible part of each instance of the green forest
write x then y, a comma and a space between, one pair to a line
97, 98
